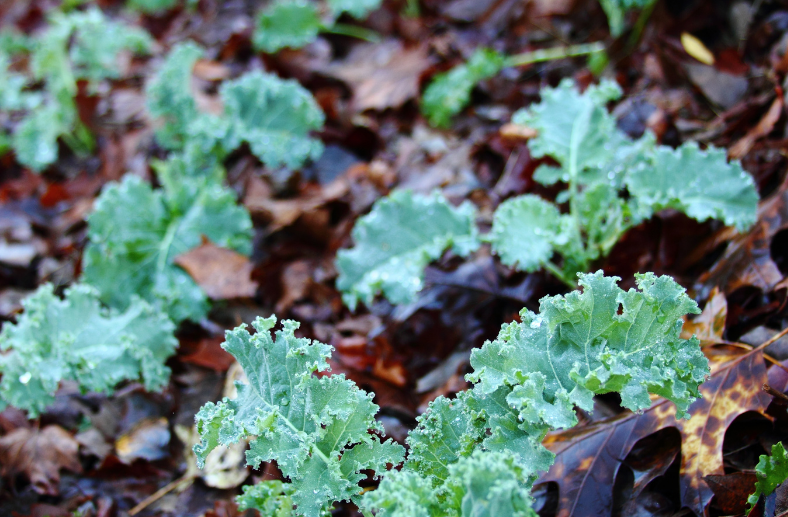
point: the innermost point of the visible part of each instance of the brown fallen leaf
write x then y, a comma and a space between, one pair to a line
710, 324
763, 128
732, 491
222, 273
39, 454
381, 75
734, 388
747, 259
296, 281
149, 440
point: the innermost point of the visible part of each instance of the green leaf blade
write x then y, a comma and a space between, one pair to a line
286, 23
396, 240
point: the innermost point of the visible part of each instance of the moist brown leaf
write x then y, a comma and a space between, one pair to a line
148, 440
747, 259
39, 454
732, 490
710, 325
763, 128
221, 272
382, 75
588, 458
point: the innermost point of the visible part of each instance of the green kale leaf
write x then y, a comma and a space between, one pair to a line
136, 232
616, 9
358, 9
614, 183
274, 116
77, 339
317, 429
449, 92
169, 95
287, 23
770, 472
528, 382
394, 242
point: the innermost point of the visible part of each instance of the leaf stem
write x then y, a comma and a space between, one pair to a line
551, 54
354, 31
556, 272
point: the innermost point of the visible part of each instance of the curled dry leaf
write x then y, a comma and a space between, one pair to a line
221, 272
710, 324
149, 440
734, 388
39, 454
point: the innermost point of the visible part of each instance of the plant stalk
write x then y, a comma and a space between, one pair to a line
551, 54
354, 31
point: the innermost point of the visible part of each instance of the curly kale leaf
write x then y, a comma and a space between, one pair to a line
770, 472
449, 92
702, 184
76, 339
287, 23
528, 382
169, 95
614, 183
274, 116
136, 232
394, 243
317, 429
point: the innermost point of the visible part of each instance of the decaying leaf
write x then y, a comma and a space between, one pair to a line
710, 324
222, 273
734, 388
39, 454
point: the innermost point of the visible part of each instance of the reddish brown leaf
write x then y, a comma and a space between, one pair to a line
382, 75
222, 273
39, 454
763, 128
208, 353
296, 280
588, 458
732, 490
747, 259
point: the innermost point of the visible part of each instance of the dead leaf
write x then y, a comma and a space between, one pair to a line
732, 491
710, 324
381, 75
296, 281
763, 128
518, 132
747, 259
695, 48
208, 353
222, 273
283, 212
148, 440
39, 454
734, 388
721, 88
225, 466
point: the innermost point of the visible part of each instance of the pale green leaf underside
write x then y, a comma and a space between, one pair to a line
317, 429
136, 233
77, 339
394, 243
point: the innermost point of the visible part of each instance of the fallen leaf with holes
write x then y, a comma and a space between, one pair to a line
381, 75
222, 273
710, 324
588, 458
39, 454
747, 260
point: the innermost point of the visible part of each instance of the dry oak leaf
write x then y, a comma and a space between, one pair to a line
710, 324
588, 458
381, 75
747, 260
222, 273
39, 454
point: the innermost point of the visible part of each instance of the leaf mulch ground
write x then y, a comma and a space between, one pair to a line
102, 457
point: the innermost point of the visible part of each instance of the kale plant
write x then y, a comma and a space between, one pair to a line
74, 46
273, 116
77, 339
136, 233
770, 472
612, 183
296, 23
476, 454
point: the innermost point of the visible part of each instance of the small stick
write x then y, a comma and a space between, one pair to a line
776, 394
158, 494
